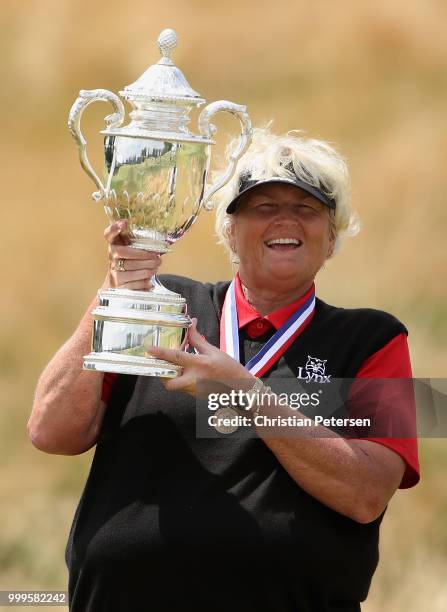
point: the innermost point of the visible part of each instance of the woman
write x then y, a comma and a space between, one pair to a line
169, 521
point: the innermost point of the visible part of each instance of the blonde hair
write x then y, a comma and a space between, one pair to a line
314, 161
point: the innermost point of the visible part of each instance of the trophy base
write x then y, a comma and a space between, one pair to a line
137, 366
127, 323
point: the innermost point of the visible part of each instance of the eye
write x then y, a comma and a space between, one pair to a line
307, 209
266, 207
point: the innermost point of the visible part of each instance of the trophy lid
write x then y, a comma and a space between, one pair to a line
163, 81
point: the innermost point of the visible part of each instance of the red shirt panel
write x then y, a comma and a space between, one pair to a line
393, 361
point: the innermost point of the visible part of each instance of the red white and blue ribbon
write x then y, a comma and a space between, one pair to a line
278, 343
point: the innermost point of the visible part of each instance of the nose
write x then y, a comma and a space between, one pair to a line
286, 214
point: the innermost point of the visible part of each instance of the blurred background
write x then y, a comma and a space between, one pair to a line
370, 77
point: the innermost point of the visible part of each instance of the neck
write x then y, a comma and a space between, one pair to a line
267, 300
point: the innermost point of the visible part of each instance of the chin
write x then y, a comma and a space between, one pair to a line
286, 271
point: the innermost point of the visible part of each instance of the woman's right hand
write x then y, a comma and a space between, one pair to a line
129, 268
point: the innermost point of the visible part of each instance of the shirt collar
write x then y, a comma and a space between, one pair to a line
247, 313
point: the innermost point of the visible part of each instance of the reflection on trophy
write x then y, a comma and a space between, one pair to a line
155, 177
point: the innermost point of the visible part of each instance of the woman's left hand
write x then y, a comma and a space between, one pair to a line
209, 363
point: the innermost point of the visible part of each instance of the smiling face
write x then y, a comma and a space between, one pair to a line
282, 237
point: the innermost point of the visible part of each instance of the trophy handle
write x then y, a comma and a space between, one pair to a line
85, 98
207, 129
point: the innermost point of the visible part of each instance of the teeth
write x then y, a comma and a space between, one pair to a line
284, 241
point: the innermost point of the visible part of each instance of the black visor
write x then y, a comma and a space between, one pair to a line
248, 185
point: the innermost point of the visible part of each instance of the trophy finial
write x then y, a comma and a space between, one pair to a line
167, 43
161, 91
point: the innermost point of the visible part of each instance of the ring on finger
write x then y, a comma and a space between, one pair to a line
120, 265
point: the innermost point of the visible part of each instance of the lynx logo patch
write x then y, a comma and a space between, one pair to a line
314, 371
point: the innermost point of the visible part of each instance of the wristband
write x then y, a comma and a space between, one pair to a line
258, 390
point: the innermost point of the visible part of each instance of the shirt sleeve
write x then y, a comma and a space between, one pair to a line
107, 384
393, 361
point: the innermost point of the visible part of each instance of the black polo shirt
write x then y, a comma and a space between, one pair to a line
170, 522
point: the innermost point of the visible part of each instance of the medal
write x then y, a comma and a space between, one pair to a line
225, 420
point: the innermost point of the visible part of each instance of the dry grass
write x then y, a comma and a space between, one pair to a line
369, 76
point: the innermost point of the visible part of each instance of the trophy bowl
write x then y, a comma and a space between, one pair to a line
156, 185
155, 177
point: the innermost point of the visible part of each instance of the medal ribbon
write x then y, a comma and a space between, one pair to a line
278, 343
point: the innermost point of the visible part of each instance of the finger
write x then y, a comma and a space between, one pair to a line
128, 265
184, 344
118, 251
175, 356
141, 285
123, 278
180, 383
113, 233
197, 341
137, 264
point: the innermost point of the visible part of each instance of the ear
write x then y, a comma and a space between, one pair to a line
332, 235
330, 250
231, 233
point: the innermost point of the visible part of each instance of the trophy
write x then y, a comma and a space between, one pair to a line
155, 177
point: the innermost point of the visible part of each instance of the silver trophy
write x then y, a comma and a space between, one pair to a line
155, 177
